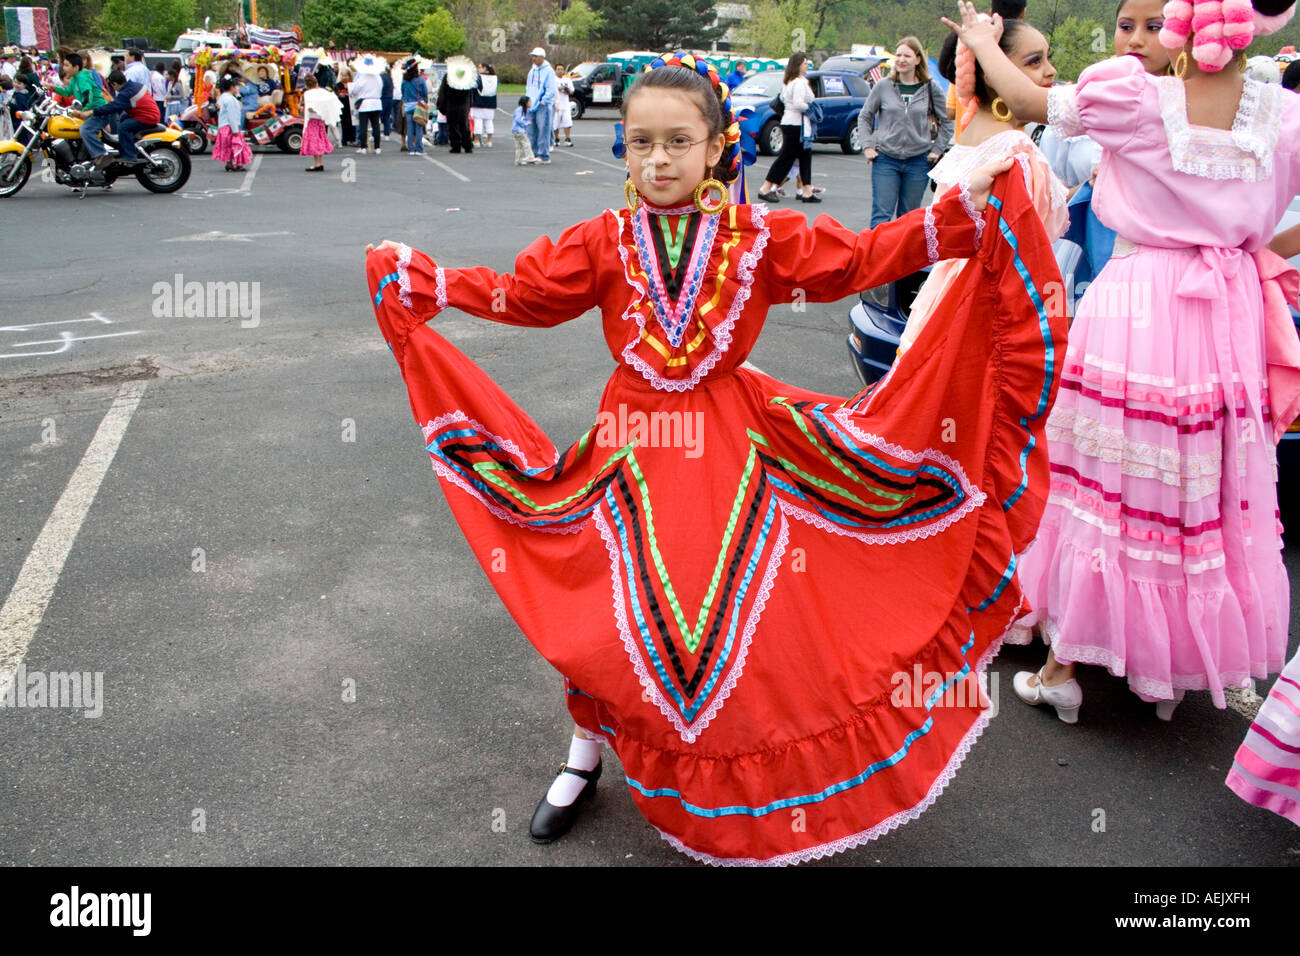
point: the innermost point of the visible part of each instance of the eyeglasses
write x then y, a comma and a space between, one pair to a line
677, 146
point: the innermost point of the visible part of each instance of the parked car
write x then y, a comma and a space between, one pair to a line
841, 96
850, 63
596, 84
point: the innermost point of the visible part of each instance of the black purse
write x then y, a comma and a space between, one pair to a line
778, 106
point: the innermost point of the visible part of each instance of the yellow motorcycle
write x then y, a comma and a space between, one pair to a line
49, 130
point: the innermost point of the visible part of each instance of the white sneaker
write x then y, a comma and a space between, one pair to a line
361, 151
1066, 698
378, 151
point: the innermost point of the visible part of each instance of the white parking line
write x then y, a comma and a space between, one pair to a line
444, 166
247, 185
25, 606
563, 151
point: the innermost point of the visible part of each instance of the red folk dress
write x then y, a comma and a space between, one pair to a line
770, 602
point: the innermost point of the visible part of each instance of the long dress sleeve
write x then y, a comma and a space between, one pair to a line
826, 261
552, 282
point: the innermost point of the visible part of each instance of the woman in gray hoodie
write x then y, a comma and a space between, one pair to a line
904, 127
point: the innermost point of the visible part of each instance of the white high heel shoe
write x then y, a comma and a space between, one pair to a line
1066, 698
1165, 708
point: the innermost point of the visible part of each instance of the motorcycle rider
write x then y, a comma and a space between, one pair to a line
135, 104
83, 83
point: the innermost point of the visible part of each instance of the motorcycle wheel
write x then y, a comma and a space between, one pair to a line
11, 188
198, 144
171, 176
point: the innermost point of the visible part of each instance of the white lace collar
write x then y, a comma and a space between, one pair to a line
959, 162
1244, 152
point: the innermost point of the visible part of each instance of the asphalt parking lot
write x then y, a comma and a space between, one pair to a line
232, 518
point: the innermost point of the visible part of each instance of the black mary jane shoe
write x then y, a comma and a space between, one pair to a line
551, 822
769, 197
813, 198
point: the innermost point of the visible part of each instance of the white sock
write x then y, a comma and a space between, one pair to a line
583, 755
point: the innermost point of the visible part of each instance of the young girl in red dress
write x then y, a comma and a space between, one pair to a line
773, 604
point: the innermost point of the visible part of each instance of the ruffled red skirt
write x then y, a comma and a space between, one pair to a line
773, 604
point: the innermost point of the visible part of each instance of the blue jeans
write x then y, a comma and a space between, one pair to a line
414, 132
90, 130
386, 108
897, 186
127, 131
539, 131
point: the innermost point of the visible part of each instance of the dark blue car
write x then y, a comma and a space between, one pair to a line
841, 94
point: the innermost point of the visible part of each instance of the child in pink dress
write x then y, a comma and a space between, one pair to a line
321, 109
1159, 553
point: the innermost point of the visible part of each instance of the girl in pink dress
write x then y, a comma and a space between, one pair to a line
1159, 554
321, 108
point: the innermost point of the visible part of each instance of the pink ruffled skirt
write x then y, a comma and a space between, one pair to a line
1159, 555
315, 139
231, 147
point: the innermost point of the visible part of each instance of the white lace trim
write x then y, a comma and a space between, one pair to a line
721, 334
404, 276
969, 206
444, 472
459, 417
931, 236
1063, 111
691, 732
844, 417
940, 784
1245, 152
440, 287
961, 161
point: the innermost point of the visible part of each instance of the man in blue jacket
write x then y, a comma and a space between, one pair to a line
139, 112
541, 91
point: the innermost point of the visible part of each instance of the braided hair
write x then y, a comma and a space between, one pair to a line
700, 80
1220, 28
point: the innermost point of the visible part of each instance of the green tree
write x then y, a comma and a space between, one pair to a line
365, 24
162, 21
439, 35
782, 27
660, 24
1076, 44
579, 22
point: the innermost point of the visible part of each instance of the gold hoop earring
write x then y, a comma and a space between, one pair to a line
1180, 65
1243, 61
631, 195
701, 193
999, 102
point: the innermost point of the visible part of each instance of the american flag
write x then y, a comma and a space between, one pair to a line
875, 74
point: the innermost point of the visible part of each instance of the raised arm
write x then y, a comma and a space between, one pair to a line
826, 261
552, 283
1027, 100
